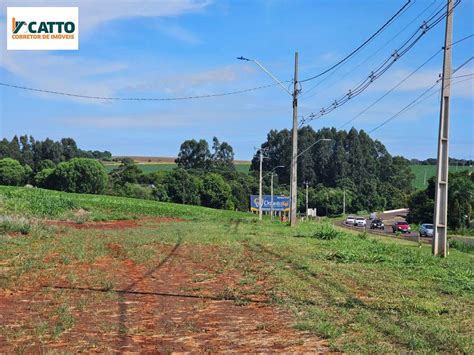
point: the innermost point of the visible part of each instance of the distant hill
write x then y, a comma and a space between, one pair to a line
145, 159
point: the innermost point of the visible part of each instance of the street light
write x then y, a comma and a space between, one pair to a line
268, 73
271, 188
294, 151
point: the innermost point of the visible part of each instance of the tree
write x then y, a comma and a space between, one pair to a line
222, 158
215, 192
182, 187
127, 172
194, 155
11, 172
460, 201
80, 175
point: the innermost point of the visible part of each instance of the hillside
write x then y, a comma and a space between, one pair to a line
108, 274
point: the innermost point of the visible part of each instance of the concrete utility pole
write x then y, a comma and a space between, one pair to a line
442, 163
271, 192
344, 202
294, 155
306, 183
260, 187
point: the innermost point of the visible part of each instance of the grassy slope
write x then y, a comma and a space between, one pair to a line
419, 171
364, 294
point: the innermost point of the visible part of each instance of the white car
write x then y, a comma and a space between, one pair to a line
360, 222
350, 220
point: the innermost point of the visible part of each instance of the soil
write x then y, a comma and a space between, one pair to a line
120, 224
188, 301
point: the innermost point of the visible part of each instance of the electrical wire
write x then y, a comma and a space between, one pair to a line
419, 100
371, 56
392, 89
388, 22
105, 98
378, 72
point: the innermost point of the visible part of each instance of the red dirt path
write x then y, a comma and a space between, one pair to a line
187, 301
120, 224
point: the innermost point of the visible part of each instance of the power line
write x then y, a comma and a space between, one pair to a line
388, 22
371, 56
105, 98
375, 74
403, 80
392, 89
416, 102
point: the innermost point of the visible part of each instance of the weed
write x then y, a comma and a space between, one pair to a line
462, 246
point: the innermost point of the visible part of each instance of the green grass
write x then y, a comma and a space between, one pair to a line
157, 167
419, 171
364, 294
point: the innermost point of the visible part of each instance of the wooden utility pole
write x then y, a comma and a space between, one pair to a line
442, 162
294, 155
260, 187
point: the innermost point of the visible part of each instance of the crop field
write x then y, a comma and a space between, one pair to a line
430, 170
156, 167
82, 273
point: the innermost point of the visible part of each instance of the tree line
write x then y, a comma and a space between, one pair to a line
350, 161
349, 166
31, 152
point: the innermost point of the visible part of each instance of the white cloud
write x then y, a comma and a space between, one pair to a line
95, 13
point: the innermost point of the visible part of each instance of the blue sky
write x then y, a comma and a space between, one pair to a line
181, 48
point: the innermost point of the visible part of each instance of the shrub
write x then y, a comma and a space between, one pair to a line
11, 172
43, 178
326, 232
215, 192
80, 175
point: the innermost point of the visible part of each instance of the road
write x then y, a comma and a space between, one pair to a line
391, 217
388, 219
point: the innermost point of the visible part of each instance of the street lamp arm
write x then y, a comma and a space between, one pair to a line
268, 73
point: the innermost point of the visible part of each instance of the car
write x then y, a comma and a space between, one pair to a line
426, 230
401, 226
350, 220
360, 222
377, 224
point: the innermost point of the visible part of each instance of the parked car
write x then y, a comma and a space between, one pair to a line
377, 224
426, 230
350, 220
360, 222
402, 226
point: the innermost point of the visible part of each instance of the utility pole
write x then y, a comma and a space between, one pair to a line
260, 188
306, 199
271, 192
442, 162
294, 155
344, 202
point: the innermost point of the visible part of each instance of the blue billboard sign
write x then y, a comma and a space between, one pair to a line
280, 203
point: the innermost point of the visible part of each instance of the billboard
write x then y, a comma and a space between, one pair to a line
280, 203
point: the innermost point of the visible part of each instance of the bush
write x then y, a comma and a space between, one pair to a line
11, 172
215, 192
44, 177
80, 175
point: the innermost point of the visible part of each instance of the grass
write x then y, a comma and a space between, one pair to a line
364, 294
157, 167
430, 170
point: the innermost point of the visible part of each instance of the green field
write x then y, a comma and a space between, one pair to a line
357, 293
430, 170
155, 167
